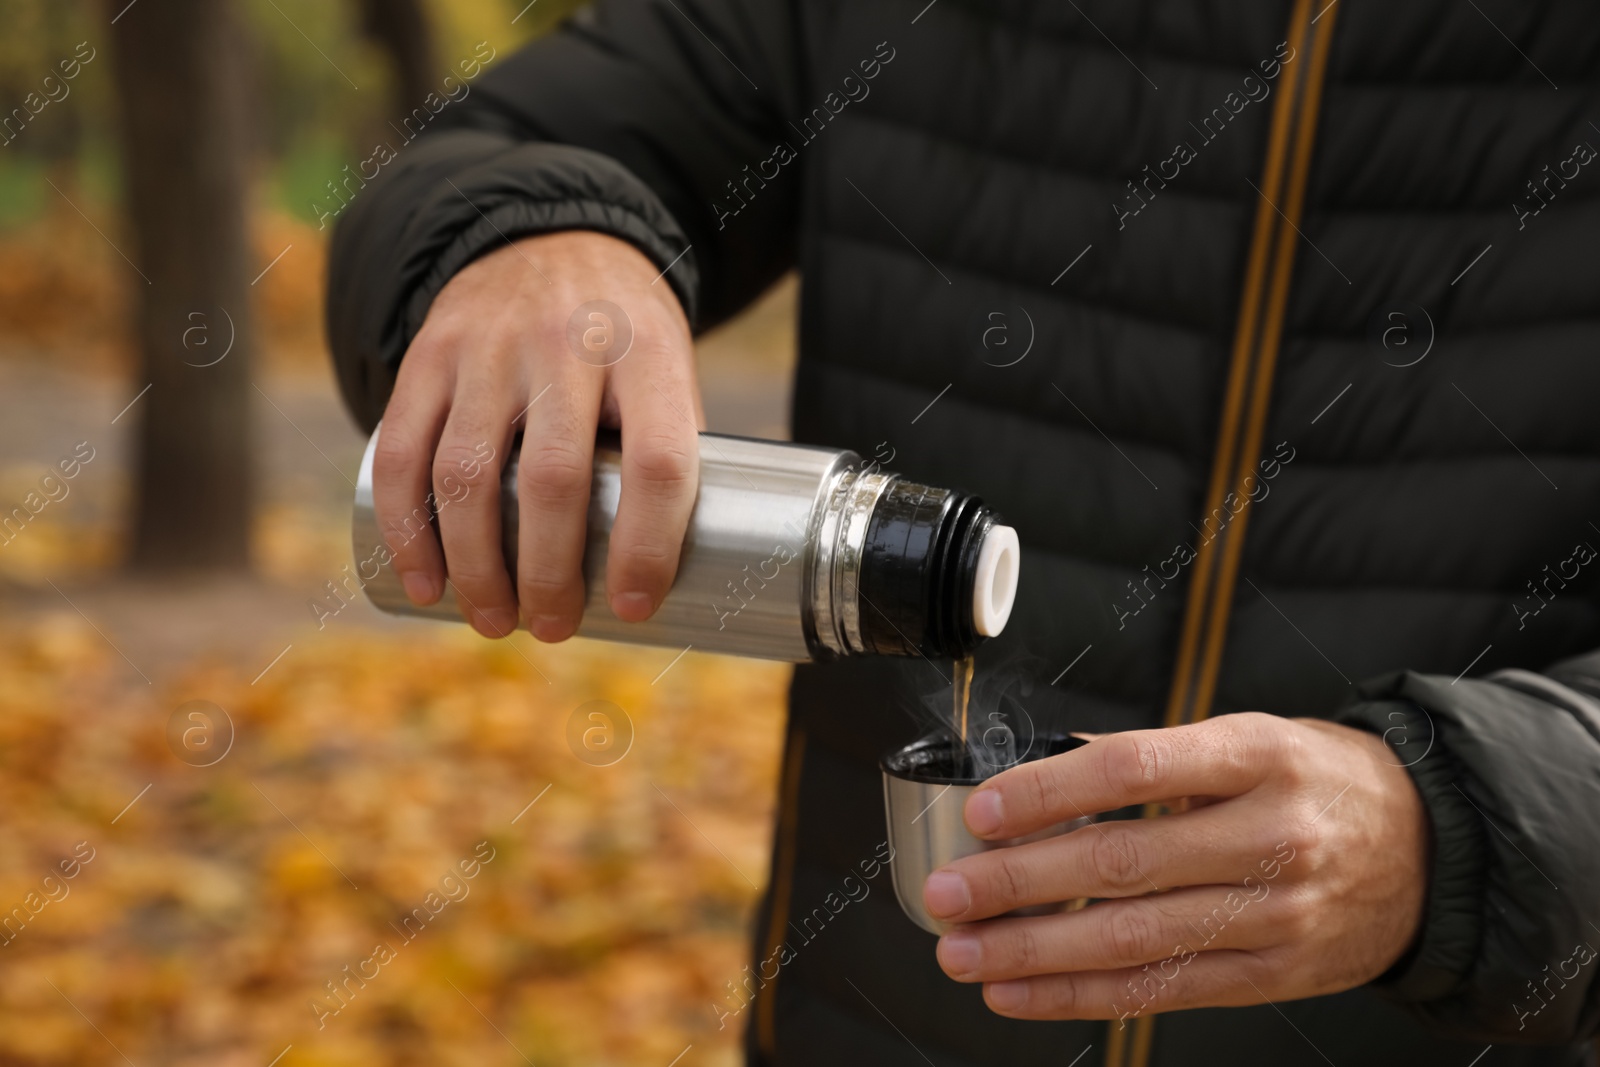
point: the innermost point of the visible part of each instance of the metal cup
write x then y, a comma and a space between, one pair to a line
925, 788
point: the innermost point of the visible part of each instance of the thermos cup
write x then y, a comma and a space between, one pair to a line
792, 553
925, 788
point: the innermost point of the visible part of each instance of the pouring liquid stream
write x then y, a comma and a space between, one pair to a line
962, 697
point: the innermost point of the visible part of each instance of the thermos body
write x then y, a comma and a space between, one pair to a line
772, 563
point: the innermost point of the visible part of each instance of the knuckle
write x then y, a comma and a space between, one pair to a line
457, 462
547, 588
1037, 790
1258, 723
400, 531
1137, 763
647, 557
394, 451
440, 333
1063, 995
642, 569
1302, 838
1114, 861
662, 465
1132, 936
1289, 756
1152, 762
478, 578
1266, 737
429, 354
451, 487
1298, 916
1011, 881
554, 472
1235, 742
1023, 951
426, 362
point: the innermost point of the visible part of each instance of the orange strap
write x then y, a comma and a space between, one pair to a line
1257, 339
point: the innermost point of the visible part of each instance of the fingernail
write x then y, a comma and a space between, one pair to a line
419, 587
945, 894
632, 607
550, 628
984, 813
1007, 996
497, 622
959, 953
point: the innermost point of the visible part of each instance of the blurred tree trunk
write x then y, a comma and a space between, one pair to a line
401, 28
177, 70
61, 139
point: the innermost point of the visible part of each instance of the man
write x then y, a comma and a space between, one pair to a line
1271, 329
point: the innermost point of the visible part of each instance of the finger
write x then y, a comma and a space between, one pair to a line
401, 472
660, 476
1223, 757
1117, 933
1122, 858
553, 477
1224, 979
466, 483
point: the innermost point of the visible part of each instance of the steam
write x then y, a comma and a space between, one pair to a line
1000, 729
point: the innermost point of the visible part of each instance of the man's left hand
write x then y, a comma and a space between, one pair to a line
1295, 865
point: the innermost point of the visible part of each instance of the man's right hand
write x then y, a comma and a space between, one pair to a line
493, 354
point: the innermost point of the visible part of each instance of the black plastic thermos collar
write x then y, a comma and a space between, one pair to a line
918, 570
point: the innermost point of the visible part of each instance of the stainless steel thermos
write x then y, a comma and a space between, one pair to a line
792, 553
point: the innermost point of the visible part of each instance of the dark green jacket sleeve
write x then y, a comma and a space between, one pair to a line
1509, 769
644, 119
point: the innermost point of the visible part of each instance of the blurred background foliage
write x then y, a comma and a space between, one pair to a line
309, 117
370, 754
308, 124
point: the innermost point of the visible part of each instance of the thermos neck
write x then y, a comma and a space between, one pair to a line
905, 569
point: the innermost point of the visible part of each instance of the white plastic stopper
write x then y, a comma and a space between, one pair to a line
995, 585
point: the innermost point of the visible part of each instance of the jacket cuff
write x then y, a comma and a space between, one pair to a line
1450, 937
543, 188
